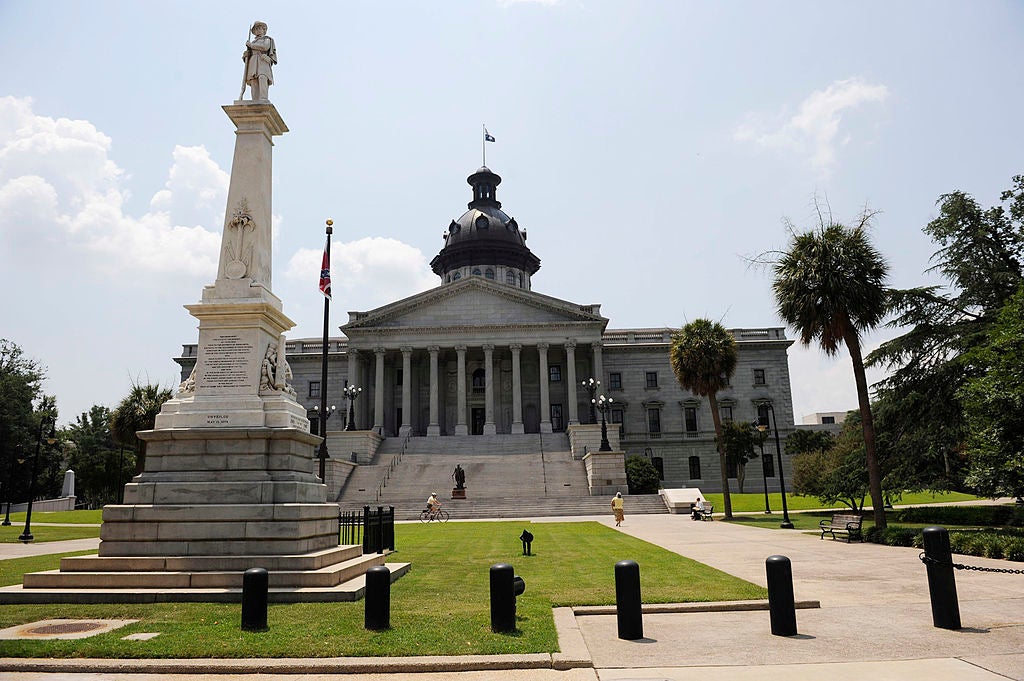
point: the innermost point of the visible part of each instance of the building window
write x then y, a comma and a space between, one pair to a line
726, 412
654, 421
476, 271
769, 466
314, 388
520, 281
555, 373
314, 425
510, 277
489, 273
456, 276
556, 418
399, 376
690, 420
616, 419
759, 377
762, 416
615, 381
652, 379
828, 420
730, 468
479, 379
695, 468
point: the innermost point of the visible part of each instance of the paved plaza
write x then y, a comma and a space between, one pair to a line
874, 622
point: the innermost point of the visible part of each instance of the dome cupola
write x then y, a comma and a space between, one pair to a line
485, 241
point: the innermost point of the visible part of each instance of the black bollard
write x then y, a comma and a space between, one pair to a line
941, 582
527, 538
378, 598
780, 595
254, 599
628, 606
503, 598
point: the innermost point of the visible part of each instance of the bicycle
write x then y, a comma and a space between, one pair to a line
440, 516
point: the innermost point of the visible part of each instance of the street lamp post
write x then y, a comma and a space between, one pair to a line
322, 417
351, 393
785, 524
591, 385
26, 536
603, 404
120, 472
761, 427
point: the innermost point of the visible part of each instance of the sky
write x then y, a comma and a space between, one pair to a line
652, 150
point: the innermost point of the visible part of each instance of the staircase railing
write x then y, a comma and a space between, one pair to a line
392, 465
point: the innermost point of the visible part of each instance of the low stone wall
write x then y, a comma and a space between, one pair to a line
586, 437
606, 472
45, 505
678, 500
357, 446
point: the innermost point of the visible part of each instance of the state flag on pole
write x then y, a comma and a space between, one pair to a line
325, 274
488, 137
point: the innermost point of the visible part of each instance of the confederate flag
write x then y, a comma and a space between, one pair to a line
325, 273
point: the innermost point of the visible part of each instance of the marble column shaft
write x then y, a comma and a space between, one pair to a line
545, 399
378, 393
460, 418
517, 390
434, 428
489, 427
570, 371
406, 425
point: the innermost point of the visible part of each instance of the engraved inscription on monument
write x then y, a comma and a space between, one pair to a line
227, 362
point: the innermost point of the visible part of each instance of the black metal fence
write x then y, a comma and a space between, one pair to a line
374, 528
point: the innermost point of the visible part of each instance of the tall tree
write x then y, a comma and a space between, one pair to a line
96, 458
20, 385
994, 403
830, 286
703, 357
739, 440
979, 258
137, 411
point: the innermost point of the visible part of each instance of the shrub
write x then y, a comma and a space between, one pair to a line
985, 516
641, 475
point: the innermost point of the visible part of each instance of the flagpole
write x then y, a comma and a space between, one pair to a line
483, 143
324, 414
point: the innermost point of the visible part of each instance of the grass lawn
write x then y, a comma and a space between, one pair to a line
75, 517
755, 502
45, 533
440, 608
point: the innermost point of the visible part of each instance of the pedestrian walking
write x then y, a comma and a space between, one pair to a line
617, 509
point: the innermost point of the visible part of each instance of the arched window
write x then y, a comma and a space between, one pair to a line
457, 276
476, 271
510, 277
479, 379
489, 273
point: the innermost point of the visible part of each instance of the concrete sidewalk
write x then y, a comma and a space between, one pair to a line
875, 622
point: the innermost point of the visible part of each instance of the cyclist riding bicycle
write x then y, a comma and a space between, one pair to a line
433, 504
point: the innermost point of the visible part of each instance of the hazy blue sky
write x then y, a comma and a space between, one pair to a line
649, 148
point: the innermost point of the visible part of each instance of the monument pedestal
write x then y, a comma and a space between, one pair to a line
458, 493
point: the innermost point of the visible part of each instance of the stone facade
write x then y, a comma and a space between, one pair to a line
485, 354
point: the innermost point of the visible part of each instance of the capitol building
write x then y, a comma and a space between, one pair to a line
484, 355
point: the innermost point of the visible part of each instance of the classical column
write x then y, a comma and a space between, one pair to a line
353, 377
378, 393
597, 346
545, 400
517, 390
489, 428
406, 391
434, 429
570, 372
460, 419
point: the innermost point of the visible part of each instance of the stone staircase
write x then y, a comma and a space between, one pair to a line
507, 476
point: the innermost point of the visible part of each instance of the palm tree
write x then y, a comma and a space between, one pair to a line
830, 286
703, 359
137, 411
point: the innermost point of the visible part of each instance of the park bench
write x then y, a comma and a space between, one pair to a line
705, 513
842, 522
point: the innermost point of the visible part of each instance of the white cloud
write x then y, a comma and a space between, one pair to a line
57, 179
813, 130
372, 270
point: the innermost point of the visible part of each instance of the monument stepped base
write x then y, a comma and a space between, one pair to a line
350, 590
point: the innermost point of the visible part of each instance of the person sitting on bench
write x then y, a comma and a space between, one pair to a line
698, 506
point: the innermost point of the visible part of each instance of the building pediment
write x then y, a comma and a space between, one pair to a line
474, 303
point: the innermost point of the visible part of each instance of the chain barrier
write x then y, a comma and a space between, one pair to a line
960, 566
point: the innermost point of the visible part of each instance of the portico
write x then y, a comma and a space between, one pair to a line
447, 362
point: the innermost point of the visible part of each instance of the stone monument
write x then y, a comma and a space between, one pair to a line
229, 479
